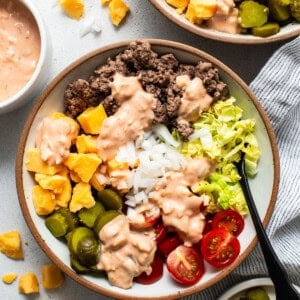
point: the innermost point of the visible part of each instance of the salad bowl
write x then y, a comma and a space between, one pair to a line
287, 31
264, 185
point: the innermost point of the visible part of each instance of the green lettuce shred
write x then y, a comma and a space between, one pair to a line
222, 134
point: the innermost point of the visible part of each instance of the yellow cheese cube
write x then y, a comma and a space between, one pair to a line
43, 200
55, 183
84, 165
181, 5
117, 11
73, 8
105, 2
52, 276
82, 197
92, 118
86, 144
62, 199
28, 284
34, 163
9, 278
10, 244
113, 165
199, 10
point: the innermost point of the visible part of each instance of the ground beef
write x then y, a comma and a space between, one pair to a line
157, 75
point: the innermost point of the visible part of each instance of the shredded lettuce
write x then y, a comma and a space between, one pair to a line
222, 134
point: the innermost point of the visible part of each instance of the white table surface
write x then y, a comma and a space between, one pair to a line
67, 45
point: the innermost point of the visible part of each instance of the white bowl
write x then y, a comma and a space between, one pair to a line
288, 31
39, 76
238, 289
264, 186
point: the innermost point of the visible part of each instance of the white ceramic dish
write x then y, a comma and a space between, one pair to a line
39, 75
237, 290
264, 186
286, 32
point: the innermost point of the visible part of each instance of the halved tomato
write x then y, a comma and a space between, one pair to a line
160, 231
185, 265
219, 247
230, 220
169, 244
145, 216
157, 272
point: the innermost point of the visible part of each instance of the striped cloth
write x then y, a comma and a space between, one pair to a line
278, 88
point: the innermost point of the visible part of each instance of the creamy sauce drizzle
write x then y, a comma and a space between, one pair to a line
180, 208
195, 98
19, 47
226, 22
54, 138
125, 253
133, 117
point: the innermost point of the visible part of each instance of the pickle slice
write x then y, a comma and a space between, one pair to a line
253, 14
278, 12
71, 218
266, 29
57, 225
77, 266
257, 294
110, 199
104, 219
295, 9
88, 215
88, 250
76, 235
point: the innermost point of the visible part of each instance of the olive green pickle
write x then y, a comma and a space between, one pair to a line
80, 231
264, 18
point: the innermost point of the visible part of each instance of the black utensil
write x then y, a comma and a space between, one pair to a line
283, 287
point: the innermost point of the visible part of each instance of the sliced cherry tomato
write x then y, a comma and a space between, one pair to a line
156, 274
220, 248
185, 265
230, 220
169, 244
146, 216
160, 231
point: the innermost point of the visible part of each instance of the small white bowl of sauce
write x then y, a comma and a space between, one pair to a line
23, 51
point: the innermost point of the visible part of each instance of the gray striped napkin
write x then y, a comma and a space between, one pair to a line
277, 86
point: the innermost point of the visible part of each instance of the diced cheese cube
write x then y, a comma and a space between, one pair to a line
43, 200
81, 197
83, 164
9, 278
52, 276
28, 284
10, 244
92, 118
117, 11
86, 144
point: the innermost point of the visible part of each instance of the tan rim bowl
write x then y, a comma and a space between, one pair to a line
286, 32
38, 77
264, 186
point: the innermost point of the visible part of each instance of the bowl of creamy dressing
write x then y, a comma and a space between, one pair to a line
52, 101
23, 51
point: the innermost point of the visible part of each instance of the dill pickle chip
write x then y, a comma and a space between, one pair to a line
88, 215
57, 225
88, 249
71, 218
266, 29
295, 9
77, 266
103, 219
76, 235
252, 14
257, 294
110, 199
278, 12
